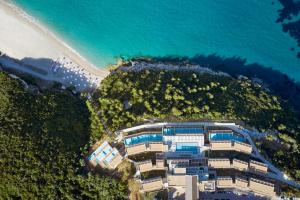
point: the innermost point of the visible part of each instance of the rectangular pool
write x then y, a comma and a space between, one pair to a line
102, 155
111, 156
143, 138
191, 147
182, 130
226, 136
91, 157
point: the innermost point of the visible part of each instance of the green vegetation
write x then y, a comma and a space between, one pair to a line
289, 191
153, 174
42, 141
127, 98
144, 156
131, 97
159, 195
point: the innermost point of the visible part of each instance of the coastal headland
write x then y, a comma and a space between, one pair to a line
29, 47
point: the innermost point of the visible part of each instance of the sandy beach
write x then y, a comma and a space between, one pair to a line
26, 45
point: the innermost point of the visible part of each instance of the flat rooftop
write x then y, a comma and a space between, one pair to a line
106, 156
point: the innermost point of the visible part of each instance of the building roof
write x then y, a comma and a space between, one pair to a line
191, 191
177, 180
152, 184
106, 156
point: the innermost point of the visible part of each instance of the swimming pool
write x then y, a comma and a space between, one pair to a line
111, 156
91, 157
102, 155
226, 136
173, 131
191, 147
143, 138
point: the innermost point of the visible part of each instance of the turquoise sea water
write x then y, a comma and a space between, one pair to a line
102, 30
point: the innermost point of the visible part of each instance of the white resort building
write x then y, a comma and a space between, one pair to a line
191, 159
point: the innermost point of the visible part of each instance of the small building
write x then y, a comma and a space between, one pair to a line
241, 183
144, 166
221, 145
219, 162
106, 156
152, 184
225, 182
262, 187
242, 147
177, 180
240, 165
207, 186
258, 166
136, 149
157, 147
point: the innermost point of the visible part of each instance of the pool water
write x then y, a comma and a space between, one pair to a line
105, 29
143, 138
174, 131
111, 156
191, 147
226, 136
102, 155
97, 150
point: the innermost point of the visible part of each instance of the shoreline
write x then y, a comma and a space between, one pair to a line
32, 43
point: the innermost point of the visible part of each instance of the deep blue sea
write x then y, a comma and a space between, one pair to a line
102, 30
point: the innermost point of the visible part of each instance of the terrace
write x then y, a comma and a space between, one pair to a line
147, 165
229, 154
177, 180
225, 182
241, 183
258, 166
241, 165
262, 187
106, 156
152, 184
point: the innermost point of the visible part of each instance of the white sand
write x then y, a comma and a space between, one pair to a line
23, 38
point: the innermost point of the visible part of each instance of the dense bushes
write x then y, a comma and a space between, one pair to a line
127, 98
131, 97
42, 137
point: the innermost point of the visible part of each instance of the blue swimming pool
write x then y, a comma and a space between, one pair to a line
97, 150
191, 147
102, 155
226, 136
111, 156
143, 138
174, 130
